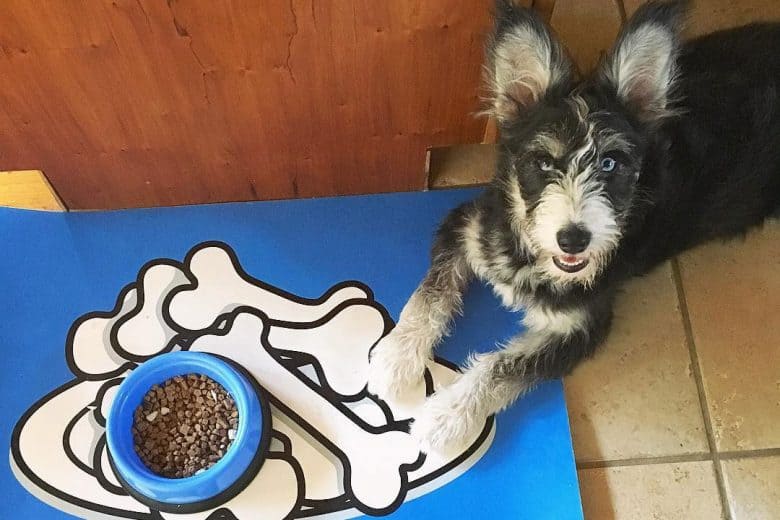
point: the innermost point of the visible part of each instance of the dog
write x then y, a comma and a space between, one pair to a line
665, 145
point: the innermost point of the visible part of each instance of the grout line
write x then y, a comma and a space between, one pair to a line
647, 461
744, 454
696, 368
671, 459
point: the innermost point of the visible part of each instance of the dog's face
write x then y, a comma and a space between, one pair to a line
571, 153
572, 172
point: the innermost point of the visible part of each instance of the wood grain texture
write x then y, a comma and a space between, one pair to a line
711, 15
544, 7
145, 102
29, 190
588, 28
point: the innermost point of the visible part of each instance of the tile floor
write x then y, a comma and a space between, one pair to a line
678, 416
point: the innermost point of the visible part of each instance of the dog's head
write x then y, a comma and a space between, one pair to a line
572, 150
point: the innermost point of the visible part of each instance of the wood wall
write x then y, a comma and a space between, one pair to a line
151, 102
143, 102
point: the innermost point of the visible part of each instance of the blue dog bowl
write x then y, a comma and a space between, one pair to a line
230, 475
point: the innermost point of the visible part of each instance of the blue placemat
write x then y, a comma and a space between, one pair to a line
56, 267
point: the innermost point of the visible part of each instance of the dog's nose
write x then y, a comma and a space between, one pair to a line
573, 239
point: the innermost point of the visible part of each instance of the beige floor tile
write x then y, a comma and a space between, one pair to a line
462, 165
637, 396
681, 491
733, 296
753, 487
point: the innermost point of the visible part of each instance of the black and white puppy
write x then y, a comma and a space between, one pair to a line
664, 146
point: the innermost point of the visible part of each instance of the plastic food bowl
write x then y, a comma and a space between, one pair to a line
230, 475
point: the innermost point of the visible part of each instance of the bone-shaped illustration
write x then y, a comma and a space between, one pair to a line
369, 412
105, 343
340, 345
143, 332
375, 464
107, 394
89, 348
41, 440
104, 467
222, 286
321, 468
277, 478
80, 438
333, 453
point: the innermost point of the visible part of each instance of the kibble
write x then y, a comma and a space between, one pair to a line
178, 433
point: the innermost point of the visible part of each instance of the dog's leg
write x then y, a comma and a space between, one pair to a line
492, 381
398, 360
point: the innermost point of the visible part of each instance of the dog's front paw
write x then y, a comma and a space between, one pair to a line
447, 422
397, 366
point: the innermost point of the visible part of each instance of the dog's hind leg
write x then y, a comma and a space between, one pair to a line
398, 360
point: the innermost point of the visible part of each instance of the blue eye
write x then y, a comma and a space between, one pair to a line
608, 164
545, 164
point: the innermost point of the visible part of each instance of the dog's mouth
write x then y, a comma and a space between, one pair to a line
570, 263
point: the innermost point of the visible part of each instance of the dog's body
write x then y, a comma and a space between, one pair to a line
666, 146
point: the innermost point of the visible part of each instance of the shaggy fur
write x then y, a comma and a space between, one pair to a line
664, 146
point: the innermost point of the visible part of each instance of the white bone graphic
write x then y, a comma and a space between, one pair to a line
83, 437
221, 289
278, 480
145, 332
322, 468
340, 345
404, 407
369, 411
326, 439
106, 470
45, 429
89, 345
376, 461
108, 398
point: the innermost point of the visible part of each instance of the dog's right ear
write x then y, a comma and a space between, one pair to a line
525, 62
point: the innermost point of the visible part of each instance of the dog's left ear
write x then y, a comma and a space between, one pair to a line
641, 67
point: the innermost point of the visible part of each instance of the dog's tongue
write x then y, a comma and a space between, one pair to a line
569, 259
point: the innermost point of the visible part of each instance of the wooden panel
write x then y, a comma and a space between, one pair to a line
587, 27
545, 8
710, 15
145, 102
462, 165
28, 189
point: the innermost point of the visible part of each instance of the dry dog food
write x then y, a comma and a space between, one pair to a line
184, 426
